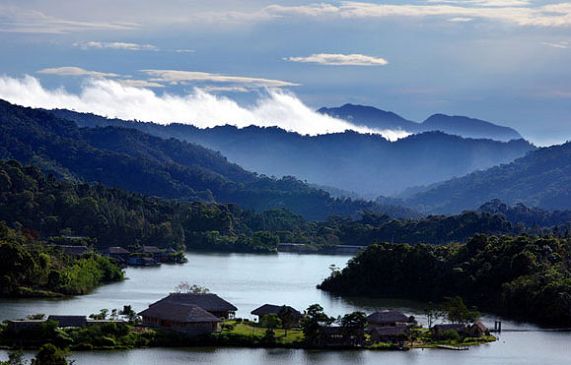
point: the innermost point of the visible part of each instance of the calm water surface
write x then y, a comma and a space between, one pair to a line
251, 280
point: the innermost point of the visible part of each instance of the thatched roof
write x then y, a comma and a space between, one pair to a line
176, 312
209, 302
388, 316
267, 309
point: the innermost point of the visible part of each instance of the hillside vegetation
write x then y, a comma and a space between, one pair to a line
523, 277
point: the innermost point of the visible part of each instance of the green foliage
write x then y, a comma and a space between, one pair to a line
522, 276
457, 312
51, 355
314, 317
32, 268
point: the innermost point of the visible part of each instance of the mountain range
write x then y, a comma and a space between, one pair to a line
540, 179
366, 164
142, 163
466, 127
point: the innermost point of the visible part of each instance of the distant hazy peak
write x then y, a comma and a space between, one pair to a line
456, 125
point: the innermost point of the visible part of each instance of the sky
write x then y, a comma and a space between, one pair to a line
275, 62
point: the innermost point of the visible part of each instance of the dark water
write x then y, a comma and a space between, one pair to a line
251, 280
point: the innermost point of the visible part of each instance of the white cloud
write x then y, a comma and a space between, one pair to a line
139, 83
340, 59
521, 13
115, 45
184, 50
74, 71
560, 45
200, 108
18, 20
184, 77
460, 19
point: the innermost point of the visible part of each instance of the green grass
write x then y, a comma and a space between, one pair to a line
254, 331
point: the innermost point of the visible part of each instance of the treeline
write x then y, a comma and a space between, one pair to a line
32, 268
520, 276
44, 207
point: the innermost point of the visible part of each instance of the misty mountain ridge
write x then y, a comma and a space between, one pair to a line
379, 119
170, 168
540, 179
366, 164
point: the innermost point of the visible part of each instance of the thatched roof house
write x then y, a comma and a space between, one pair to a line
389, 318
268, 309
186, 318
211, 303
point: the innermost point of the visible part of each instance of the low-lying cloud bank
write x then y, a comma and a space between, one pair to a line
200, 108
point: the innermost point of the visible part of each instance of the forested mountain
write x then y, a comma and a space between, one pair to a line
138, 162
365, 164
456, 125
522, 276
540, 179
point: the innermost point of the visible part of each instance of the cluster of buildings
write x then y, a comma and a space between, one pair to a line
144, 256
202, 314
67, 321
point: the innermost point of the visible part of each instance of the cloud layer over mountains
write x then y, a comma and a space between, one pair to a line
112, 98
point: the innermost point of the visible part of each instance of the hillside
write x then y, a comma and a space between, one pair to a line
540, 179
523, 277
135, 161
455, 125
365, 164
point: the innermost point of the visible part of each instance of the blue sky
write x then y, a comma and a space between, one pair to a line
505, 61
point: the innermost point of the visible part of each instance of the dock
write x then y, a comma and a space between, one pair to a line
454, 348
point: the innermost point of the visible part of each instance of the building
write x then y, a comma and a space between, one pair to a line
268, 309
440, 330
389, 318
478, 329
69, 321
392, 334
189, 319
211, 303
153, 252
117, 253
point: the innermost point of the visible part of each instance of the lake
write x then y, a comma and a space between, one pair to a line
249, 280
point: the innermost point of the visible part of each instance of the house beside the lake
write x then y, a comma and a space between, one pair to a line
210, 302
189, 319
390, 318
271, 309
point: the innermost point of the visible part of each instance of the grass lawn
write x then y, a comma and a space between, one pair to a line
254, 330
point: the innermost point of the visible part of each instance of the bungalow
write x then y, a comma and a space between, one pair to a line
392, 334
389, 318
189, 319
153, 251
118, 253
268, 309
211, 303
440, 330
478, 329
69, 321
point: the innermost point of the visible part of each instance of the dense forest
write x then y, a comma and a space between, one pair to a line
32, 268
364, 163
540, 179
44, 206
169, 168
521, 276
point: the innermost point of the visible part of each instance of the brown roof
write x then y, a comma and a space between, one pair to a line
266, 309
117, 251
186, 313
388, 316
480, 326
209, 302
